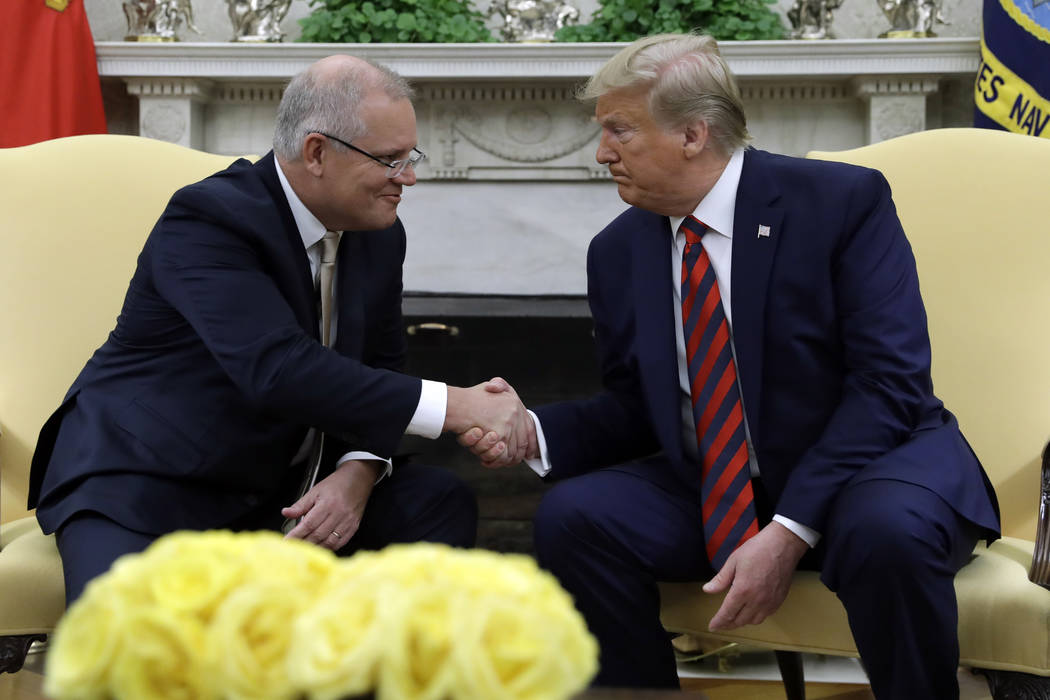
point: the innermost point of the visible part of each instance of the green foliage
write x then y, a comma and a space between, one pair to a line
434, 21
626, 20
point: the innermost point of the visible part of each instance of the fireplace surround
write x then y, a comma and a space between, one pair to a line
511, 195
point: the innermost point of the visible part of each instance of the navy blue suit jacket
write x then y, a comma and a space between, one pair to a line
831, 342
189, 414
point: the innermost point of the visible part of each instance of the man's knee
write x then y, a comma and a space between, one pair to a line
453, 494
438, 485
452, 487
438, 504
88, 544
883, 529
462, 500
560, 510
569, 519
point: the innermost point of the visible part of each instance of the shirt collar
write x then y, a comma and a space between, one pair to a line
310, 227
718, 207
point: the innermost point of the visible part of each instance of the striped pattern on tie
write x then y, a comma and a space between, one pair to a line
728, 501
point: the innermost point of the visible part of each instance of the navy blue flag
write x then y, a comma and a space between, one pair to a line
1012, 90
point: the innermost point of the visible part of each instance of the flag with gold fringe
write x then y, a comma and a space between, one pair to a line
49, 84
1012, 90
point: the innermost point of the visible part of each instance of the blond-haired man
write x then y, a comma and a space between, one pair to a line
767, 396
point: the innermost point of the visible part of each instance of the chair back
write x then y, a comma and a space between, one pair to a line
75, 213
974, 205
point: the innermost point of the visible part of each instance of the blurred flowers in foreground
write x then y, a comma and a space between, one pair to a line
217, 615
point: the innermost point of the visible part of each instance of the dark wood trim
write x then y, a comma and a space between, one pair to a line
1040, 570
13, 650
790, 663
417, 304
1010, 685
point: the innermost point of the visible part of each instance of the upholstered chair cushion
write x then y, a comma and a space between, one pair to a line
1003, 619
32, 595
76, 212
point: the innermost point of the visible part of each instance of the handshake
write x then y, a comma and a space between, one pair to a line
492, 423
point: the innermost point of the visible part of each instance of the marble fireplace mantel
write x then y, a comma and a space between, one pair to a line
495, 117
748, 59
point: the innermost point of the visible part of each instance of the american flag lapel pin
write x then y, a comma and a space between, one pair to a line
763, 231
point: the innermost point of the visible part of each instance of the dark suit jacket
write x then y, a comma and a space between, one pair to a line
831, 341
188, 415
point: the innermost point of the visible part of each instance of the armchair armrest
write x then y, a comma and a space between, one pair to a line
1, 485
1040, 571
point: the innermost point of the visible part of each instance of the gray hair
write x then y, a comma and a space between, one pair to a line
688, 81
318, 101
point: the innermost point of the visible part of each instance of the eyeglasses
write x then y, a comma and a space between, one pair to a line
394, 167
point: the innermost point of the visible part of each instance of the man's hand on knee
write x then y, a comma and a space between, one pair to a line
758, 576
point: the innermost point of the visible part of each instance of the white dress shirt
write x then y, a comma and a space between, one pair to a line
717, 210
429, 416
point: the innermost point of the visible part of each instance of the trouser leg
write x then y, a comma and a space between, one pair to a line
893, 550
609, 536
88, 544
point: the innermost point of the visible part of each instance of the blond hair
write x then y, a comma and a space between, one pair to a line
687, 81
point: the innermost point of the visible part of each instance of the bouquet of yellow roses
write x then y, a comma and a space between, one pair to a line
215, 615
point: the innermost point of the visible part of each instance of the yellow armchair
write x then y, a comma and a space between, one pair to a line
75, 213
974, 205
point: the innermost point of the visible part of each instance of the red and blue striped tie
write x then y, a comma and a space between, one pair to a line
728, 501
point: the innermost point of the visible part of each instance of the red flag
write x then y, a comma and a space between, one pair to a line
48, 75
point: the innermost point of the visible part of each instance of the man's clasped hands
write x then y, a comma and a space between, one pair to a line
492, 422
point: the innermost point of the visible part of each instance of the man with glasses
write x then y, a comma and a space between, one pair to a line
260, 339
395, 167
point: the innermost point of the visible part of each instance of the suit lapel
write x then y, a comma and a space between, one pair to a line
756, 234
300, 288
654, 316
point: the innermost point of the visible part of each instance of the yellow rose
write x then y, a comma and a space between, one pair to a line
160, 657
523, 638
193, 581
84, 645
394, 563
338, 641
279, 618
125, 579
295, 563
472, 624
248, 640
498, 649
419, 643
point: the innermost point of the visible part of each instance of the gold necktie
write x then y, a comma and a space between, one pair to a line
326, 277
329, 245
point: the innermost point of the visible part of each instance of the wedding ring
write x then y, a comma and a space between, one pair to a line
334, 534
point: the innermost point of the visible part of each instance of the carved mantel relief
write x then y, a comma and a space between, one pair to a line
491, 132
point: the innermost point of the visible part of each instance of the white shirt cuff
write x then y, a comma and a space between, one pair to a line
429, 417
542, 464
387, 471
806, 534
